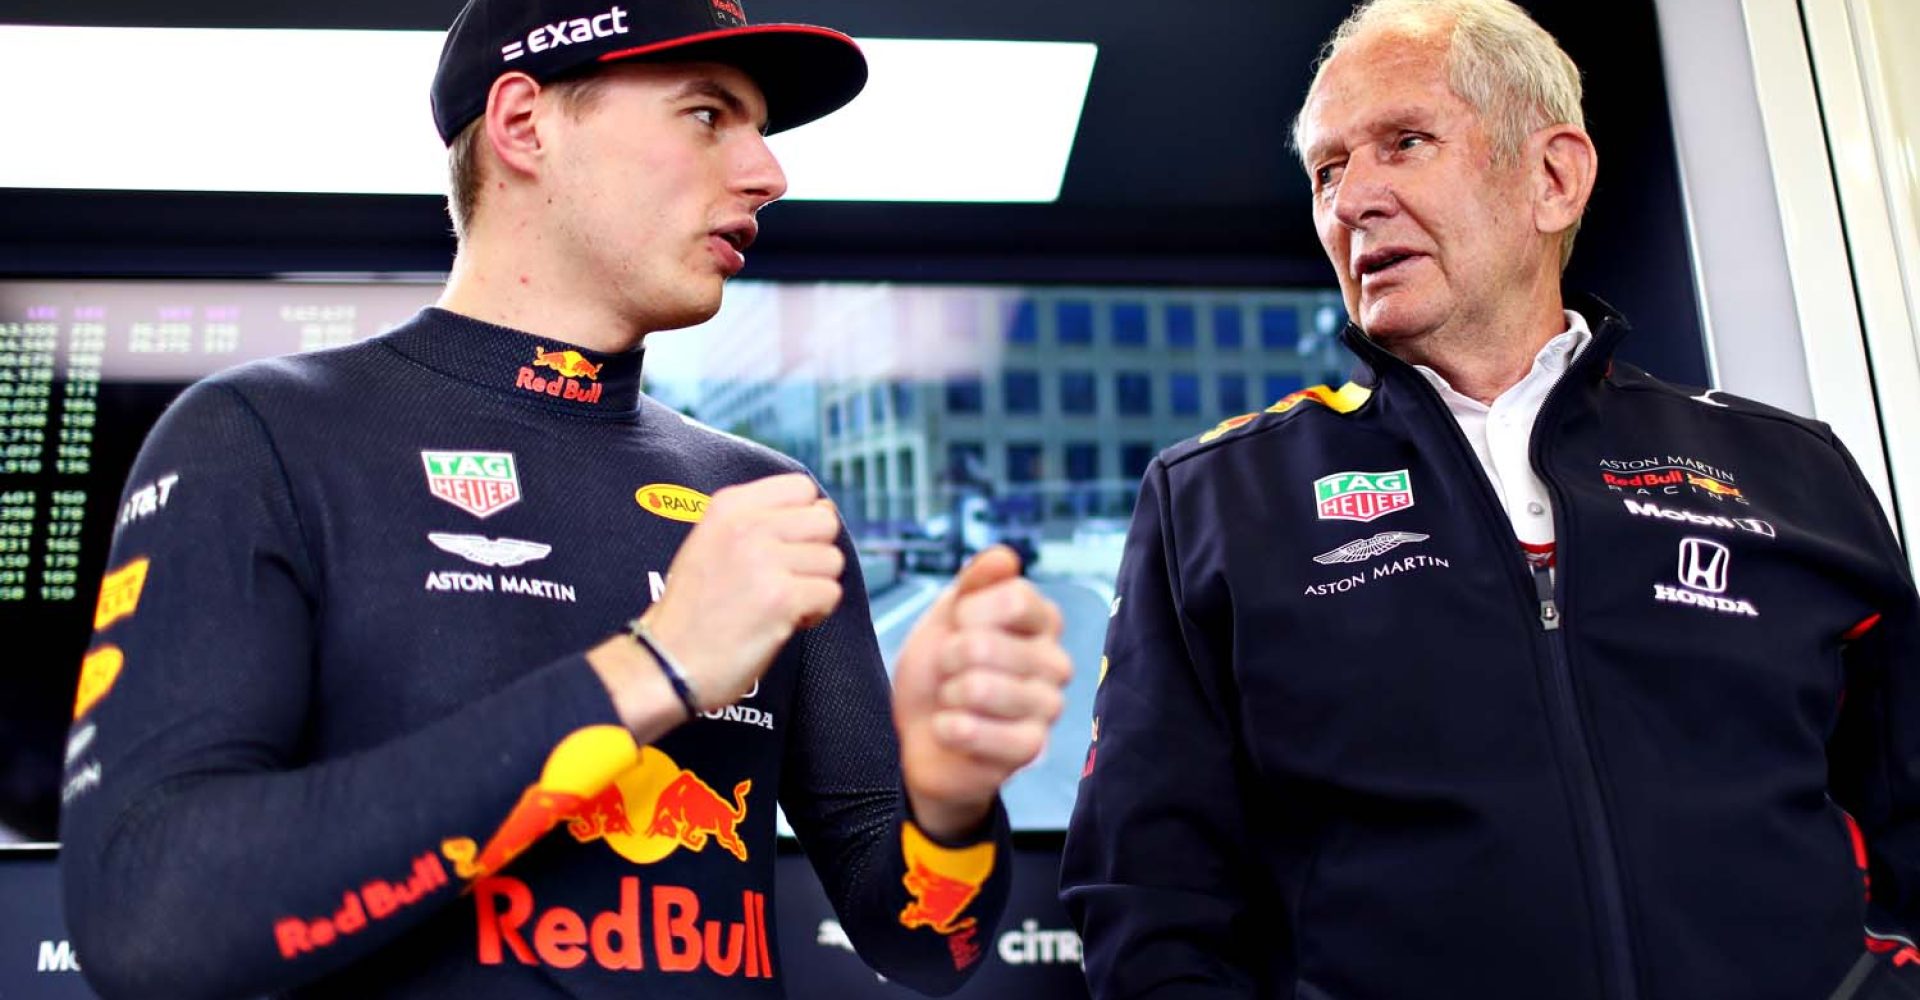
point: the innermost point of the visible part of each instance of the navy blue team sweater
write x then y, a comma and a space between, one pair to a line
336, 735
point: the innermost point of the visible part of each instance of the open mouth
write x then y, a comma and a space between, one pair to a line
739, 237
1381, 261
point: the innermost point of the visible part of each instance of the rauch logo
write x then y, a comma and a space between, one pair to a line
675, 503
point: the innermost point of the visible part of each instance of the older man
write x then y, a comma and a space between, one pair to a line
1507, 670
365, 713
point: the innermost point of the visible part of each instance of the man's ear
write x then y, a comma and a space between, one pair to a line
1565, 164
512, 123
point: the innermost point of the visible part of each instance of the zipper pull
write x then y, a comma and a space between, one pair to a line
1543, 588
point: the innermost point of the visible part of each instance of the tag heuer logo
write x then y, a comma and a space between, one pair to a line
482, 483
1362, 496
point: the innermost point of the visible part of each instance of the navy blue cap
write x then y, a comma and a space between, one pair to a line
804, 71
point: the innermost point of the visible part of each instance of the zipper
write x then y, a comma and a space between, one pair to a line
1616, 937
1618, 949
1619, 981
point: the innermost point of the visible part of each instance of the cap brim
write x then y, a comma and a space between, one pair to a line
804, 72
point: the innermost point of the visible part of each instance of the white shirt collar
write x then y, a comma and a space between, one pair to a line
1548, 365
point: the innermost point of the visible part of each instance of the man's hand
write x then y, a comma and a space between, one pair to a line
977, 686
760, 564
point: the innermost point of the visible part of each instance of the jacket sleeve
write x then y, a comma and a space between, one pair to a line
1155, 870
1874, 753
917, 911
202, 856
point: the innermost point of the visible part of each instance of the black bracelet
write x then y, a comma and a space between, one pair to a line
676, 675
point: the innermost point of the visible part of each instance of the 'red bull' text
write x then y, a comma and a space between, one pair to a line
511, 925
376, 900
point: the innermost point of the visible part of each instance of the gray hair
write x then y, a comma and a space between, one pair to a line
1498, 59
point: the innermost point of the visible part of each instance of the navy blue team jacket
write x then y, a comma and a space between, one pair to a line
1350, 747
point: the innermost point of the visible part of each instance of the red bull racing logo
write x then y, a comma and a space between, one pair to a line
571, 370
1671, 475
645, 807
942, 883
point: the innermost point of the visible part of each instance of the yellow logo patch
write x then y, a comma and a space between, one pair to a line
675, 503
120, 593
97, 674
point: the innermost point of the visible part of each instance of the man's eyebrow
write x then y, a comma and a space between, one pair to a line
717, 91
1408, 117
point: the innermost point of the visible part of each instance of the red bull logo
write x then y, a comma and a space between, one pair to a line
1645, 480
680, 810
569, 368
1713, 486
937, 901
376, 900
596, 782
1671, 475
691, 812
571, 364
941, 884
683, 941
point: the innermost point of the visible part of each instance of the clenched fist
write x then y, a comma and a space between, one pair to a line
976, 689
761, 564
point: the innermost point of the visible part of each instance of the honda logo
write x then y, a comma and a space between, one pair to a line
1703, 565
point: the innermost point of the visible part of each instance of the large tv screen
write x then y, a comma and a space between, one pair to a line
941, 418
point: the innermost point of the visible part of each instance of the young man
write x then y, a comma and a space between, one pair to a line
1510, 672
375, 650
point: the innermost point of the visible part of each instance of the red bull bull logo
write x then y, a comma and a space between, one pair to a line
571, 364
597, 781
941, 884
1713, 486
691, 812
571, 370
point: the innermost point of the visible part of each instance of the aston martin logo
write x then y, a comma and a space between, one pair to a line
1366, 548
486, 551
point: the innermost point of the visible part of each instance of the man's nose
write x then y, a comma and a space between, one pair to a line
1365, 192
758, 174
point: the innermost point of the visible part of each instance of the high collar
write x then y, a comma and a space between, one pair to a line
1608, 326
520, 365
